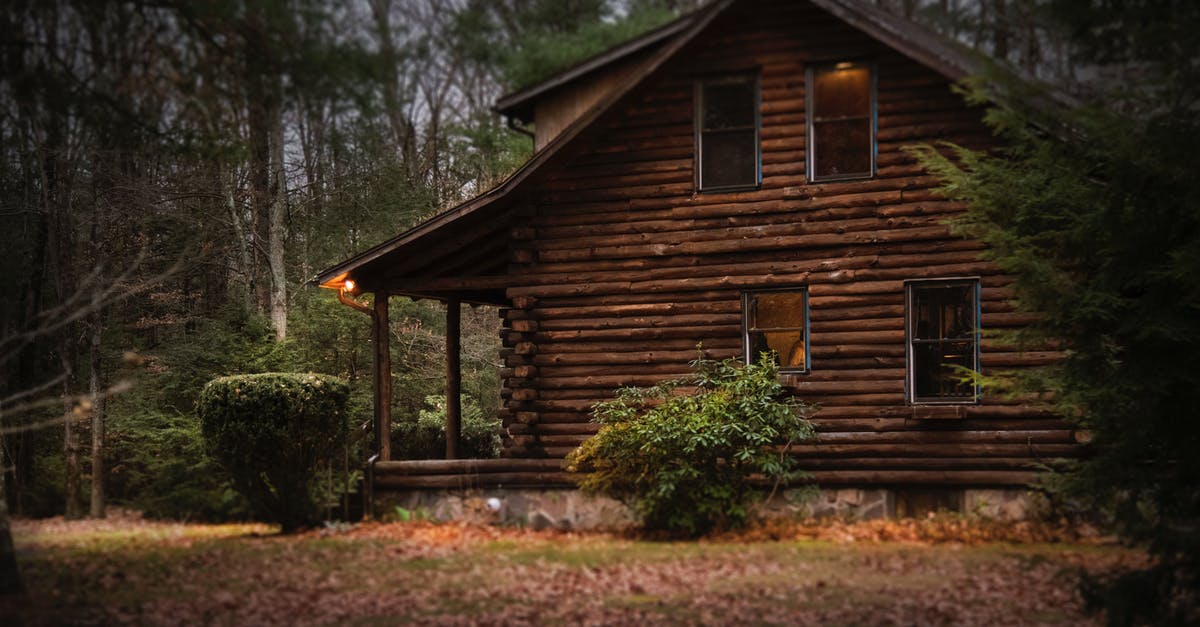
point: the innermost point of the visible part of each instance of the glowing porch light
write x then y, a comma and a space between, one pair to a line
349, 285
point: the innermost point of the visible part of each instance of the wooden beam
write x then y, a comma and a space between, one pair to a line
418, 285
453, 379
383, 377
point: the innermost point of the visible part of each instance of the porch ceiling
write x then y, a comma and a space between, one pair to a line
464, 259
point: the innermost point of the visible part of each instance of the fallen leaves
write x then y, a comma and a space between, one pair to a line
926, 571
932, 529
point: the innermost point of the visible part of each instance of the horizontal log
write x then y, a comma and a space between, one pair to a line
691, 333
639, 357
732, 305
868, 281
730, 227
757, 262
879, 425
601, 382
918, 463
640, 322
469, 481
582, 428
890, 235
817, 267
680, 346
624, 299
942, 436
808, 387
463, 466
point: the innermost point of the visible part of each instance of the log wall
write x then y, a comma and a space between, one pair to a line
622, 267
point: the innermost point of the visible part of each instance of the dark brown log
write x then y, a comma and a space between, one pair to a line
696, 333
464, 466
910, 463
483, 480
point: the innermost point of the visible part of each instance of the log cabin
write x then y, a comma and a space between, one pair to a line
735, 179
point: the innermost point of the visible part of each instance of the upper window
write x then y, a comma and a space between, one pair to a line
727, 123
841, 121
943, 340
776, 322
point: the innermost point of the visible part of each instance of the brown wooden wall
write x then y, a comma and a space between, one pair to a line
623, 268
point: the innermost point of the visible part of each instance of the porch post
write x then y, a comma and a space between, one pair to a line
453, 380
383, 377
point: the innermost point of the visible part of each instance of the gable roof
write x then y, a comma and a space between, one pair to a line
481, 221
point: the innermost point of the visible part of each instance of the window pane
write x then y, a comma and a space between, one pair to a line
788, 347
842, 148
775, 324
728, 105
728, 159
774, 310
934, 374
942, 328
944, 312
841, 93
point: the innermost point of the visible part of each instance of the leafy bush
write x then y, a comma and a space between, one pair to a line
271, 431
683, 461
425, 437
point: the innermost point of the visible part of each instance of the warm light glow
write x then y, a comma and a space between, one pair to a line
349, 285
844, 65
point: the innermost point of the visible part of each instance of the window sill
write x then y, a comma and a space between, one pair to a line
941, 411
734, 188
791, 378
838, 179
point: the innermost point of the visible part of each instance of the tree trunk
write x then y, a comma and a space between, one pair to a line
73, 508
278, 224
98, 504
10, 575
228, 184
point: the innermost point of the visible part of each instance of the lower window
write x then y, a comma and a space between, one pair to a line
776, 322
942, 330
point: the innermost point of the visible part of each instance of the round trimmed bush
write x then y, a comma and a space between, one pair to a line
270, 431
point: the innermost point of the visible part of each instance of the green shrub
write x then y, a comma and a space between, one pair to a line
425, 437
158, 464
271, 432
682, 461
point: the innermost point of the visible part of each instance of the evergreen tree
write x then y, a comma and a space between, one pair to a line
1095, 210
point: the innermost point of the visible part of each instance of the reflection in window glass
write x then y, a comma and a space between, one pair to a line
943, 330
776, 322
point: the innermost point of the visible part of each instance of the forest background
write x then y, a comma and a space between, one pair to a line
172, 173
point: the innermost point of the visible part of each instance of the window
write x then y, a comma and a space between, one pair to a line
776, 321
727, 123
841, 121
943, 338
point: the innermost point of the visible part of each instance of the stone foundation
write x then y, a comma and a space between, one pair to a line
564, 508
559, 508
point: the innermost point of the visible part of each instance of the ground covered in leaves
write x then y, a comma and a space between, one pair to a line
941, 570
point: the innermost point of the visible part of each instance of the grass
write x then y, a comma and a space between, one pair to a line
428, 573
